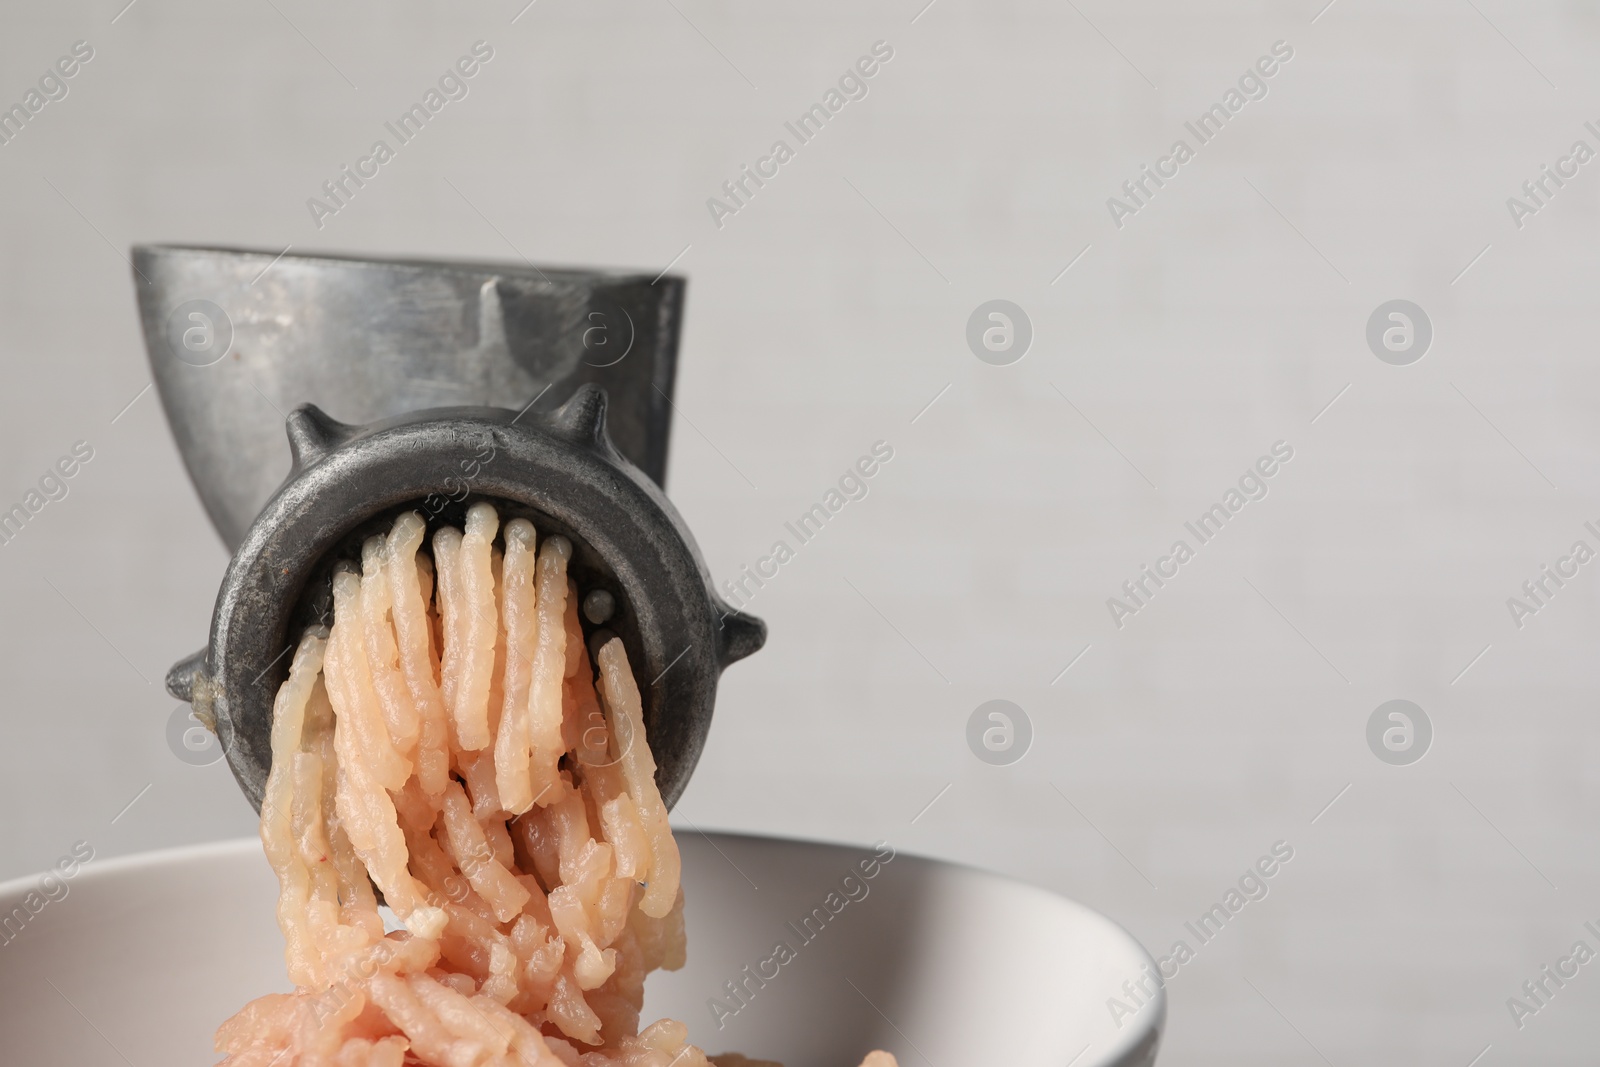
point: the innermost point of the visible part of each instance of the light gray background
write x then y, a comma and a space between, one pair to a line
826, 316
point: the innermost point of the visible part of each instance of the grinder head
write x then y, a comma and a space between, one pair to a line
560, 471
558, 467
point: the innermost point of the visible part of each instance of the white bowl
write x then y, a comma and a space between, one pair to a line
944, 966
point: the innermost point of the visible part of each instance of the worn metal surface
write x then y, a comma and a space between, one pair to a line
428, 386
557, 469
367, 340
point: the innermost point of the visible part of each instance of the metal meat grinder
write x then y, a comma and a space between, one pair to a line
428, 386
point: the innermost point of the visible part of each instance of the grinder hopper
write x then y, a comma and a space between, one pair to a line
418, 385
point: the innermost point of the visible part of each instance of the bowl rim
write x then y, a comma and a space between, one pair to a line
1139, 1046
229, 847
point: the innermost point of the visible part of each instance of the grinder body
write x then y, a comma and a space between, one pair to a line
558, 466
